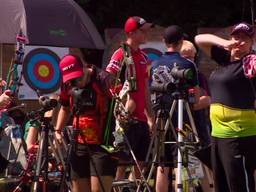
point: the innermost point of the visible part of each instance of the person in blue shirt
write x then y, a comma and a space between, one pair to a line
160, 74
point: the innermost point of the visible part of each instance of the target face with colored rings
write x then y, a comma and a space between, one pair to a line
41, 70
152, 53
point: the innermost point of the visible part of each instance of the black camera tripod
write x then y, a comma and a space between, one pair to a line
164, 123
41, 170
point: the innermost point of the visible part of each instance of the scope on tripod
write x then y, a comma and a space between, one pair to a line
167, 81
178, 73
47, 105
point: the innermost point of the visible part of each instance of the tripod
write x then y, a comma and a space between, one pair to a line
42, 159
157, 142
181, 102
122, 140
180, 99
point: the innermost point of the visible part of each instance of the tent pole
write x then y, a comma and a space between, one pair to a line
1, 60
252, 11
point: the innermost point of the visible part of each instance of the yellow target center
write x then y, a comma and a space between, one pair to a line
43, 71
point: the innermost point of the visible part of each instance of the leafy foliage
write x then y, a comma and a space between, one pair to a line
187, 13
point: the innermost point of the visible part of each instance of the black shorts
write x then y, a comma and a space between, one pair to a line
138, 136
83, 167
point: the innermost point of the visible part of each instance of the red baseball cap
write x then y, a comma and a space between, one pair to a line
135, 22
71, 67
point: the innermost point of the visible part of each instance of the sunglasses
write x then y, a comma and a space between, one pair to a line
73, 82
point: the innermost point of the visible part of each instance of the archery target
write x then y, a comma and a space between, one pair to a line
153, 49
41, 71
152, 54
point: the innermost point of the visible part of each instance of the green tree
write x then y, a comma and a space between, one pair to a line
189, 14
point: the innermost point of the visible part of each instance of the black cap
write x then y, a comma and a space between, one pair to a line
173, 34
244, 28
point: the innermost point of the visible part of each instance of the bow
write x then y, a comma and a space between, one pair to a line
13, 79
117, 106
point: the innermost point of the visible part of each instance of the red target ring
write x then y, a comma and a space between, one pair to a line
45, 71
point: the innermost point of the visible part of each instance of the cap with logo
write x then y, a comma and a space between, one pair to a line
70, 67
135, 22
173, 34
244, 28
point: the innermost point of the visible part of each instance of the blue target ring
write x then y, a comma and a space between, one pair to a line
41, 70
152, 53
